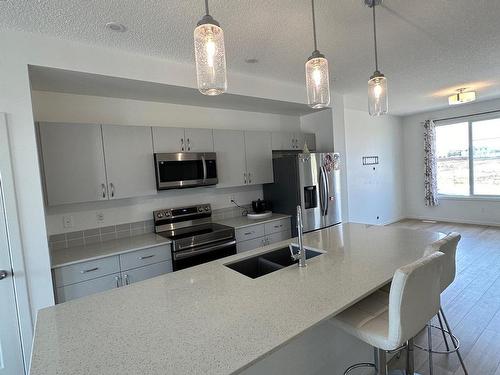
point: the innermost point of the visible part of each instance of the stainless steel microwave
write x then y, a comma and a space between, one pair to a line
185, 169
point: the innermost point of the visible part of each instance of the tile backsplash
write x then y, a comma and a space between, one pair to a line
94, 235
113, 232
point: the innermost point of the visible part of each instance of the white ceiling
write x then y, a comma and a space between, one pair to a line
426, 47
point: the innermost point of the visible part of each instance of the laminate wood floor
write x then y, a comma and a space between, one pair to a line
471, 303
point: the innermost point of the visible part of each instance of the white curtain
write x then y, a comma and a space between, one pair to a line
430, 173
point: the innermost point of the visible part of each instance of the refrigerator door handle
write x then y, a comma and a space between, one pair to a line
323, 192
327, 190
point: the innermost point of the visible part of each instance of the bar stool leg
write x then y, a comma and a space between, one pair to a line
454, 343
429, 338
442, 332
410, 360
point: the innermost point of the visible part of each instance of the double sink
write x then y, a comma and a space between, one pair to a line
266, 263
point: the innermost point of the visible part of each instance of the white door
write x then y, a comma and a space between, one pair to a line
128, 152
73, 163
168, 139
11, 359
230, 148
259, 157
199, 140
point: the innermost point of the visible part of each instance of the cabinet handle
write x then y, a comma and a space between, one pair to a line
103, 187
189, 144
249, 178
245, 177
90, 270
182, 144
126, 279
117, 279
146, 257
112, 188
248, 233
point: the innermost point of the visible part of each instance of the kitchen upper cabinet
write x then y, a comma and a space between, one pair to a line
293, 141
259, 157
73, 163
310, 140
231, 164
182, 140
199, 140
129, 161
168, 139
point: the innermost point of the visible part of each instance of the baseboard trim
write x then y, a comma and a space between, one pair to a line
456, 221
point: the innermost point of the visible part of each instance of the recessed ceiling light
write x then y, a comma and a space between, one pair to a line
251, 61
115, 26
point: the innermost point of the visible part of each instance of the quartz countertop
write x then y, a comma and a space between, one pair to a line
72, 255
243, 221
210, 319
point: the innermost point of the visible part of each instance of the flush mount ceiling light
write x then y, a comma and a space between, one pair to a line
115, 26
377, 85
317, 79
462, 97
210, 56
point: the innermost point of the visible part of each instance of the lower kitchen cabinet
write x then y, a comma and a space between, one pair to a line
94, 276
146, 272
86, 288
260, 235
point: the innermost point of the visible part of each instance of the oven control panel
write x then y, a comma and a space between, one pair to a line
189, 213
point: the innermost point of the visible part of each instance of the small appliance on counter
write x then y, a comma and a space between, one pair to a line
261, 210
195, 239
311, 180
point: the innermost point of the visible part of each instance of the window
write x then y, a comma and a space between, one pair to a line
468, 156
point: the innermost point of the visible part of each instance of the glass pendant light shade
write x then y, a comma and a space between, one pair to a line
317, 81
377, 95
210, 57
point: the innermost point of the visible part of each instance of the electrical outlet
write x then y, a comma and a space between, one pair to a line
99, 217
68, 221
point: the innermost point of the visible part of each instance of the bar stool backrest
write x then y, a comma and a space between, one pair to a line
448, 246
414, 297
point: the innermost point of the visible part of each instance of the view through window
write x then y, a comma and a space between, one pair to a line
468, 157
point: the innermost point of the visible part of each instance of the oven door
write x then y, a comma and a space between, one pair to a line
202, 254
185, 169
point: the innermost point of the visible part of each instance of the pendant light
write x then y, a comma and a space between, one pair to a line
377, 85
210, 56
317, 80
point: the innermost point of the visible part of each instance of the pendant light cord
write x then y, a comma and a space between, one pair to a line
206, 7
375, 35
314, 26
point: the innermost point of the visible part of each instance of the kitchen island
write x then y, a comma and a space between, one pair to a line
210, 319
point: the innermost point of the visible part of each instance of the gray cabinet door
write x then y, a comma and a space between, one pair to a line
283, 141
73, 163
168, 139
146, 272
129, 161
230, 148
259, 157
86, 288
199, 140
144, 257
278, 237
250, 244
310, 140
82, 271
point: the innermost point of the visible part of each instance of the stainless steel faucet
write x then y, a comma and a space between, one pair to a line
301, 256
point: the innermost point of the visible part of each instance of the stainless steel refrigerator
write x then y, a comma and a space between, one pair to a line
311, 180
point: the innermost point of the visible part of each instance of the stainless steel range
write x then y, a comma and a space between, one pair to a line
195, 239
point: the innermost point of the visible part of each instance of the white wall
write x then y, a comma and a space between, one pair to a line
321, 124
32, 49
464, 210
375, 192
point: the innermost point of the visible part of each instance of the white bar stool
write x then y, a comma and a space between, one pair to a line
389, 322
448, 246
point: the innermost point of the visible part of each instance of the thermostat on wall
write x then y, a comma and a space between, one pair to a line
370, 160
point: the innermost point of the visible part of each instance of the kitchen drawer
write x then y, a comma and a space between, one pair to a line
250, 232
85, 288
146, 272
91, 269
277, 237
250, 244
145, 256
277, 226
